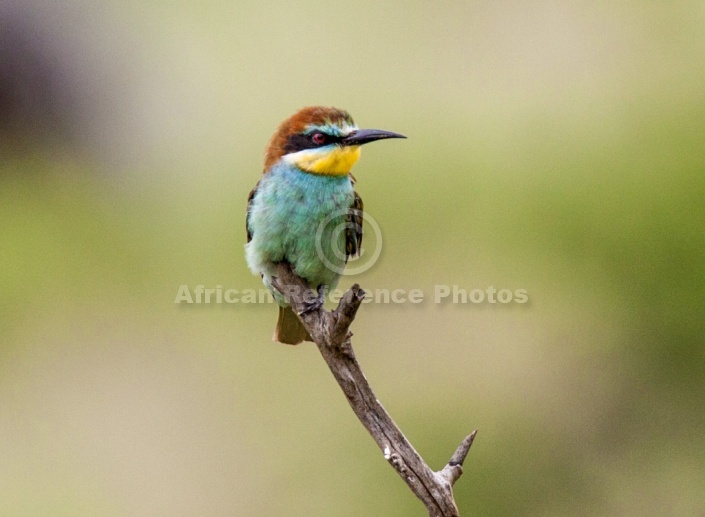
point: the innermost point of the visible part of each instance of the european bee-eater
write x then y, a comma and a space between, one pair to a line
296, 210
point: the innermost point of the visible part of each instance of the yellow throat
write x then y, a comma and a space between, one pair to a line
329, 162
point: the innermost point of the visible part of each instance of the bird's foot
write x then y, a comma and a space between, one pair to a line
312, 302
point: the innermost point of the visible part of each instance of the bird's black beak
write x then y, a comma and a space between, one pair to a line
365, 136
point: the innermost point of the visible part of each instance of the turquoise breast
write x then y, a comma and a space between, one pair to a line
299, 217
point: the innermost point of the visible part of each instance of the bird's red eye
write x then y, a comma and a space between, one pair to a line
318, 138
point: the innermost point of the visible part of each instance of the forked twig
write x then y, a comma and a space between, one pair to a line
330, 331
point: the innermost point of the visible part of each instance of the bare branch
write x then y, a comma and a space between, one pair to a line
454, 469
330, 331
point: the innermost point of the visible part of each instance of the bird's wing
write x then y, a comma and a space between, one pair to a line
353, 230
247, 216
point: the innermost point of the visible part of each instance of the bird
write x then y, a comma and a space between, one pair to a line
295, 211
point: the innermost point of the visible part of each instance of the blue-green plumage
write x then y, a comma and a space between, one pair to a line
297, 217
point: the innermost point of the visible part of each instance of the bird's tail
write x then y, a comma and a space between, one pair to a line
290, 330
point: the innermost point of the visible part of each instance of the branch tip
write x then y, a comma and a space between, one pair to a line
462, 451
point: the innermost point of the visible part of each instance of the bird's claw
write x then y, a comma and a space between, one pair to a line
315, 303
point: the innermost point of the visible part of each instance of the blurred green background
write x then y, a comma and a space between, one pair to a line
556, 147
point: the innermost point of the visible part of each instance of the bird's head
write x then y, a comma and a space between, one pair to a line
320, 140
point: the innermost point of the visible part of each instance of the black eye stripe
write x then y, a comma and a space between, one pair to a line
300, 142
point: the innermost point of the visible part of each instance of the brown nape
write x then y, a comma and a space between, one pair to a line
297, 123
